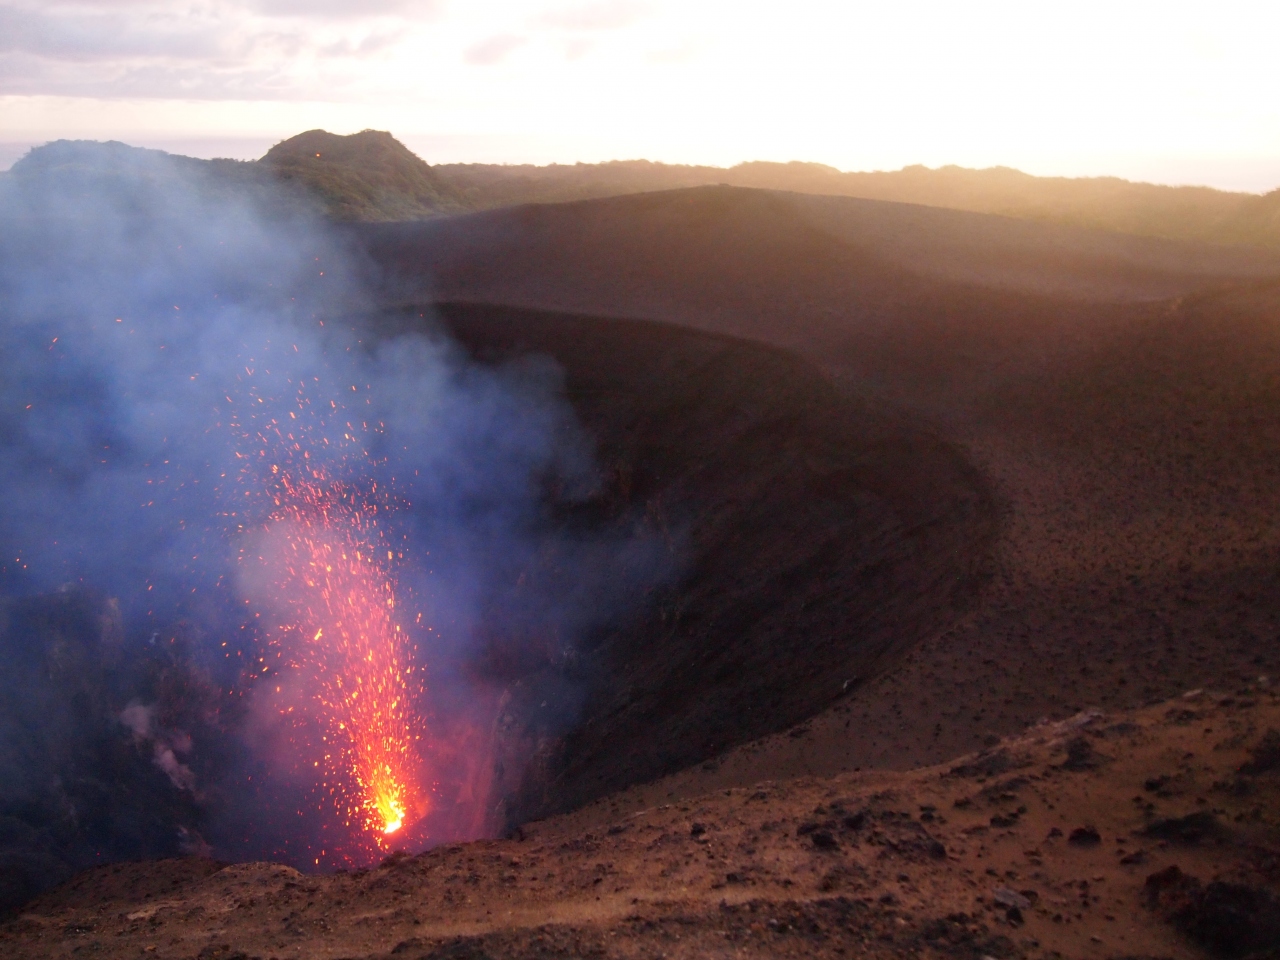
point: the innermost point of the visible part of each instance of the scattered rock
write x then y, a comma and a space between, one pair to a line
221, 952
1084, 837
855, 821
459, 949
1169, 881
1190, 829
1265, 757
1229, 919
1007, 897
823, 840
989, 763
1082, 756
1004, 790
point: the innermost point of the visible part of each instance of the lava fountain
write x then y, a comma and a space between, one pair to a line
335, 568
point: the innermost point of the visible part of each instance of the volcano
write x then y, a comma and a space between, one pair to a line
920, 531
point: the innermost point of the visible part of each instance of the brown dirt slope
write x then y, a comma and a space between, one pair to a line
1149, 834
786, 266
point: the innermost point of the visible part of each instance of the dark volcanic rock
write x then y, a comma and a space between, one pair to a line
1229, 919
823, 840
786, 507
1082, 756
1265, 757
79, 788
1192, 828
989, 763
1084, 837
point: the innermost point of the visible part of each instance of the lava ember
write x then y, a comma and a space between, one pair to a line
335, 575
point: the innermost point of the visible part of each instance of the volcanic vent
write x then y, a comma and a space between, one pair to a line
816, 540
374, 590
302, 528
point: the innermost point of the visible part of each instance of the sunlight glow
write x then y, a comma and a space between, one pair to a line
1178, 90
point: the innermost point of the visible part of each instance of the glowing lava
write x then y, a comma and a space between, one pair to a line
337, 582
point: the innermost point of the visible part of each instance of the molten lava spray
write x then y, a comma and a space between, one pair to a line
336, 577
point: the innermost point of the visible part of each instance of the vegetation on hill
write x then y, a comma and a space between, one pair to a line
365, 176
79, 166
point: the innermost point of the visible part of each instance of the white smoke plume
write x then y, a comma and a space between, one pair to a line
165, 745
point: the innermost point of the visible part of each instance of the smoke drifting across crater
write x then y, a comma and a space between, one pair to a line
178, 356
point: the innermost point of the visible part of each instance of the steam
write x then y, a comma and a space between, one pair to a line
165, 745
167, 339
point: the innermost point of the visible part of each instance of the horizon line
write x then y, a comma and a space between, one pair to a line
11, 151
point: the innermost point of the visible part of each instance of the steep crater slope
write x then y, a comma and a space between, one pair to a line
810, 542
782, 266
816, 540
1125, 422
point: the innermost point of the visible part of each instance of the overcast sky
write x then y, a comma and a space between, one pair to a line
1173, 92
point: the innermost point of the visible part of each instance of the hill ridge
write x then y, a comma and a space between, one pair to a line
372, 176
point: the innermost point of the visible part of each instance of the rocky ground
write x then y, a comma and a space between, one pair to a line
1152, 833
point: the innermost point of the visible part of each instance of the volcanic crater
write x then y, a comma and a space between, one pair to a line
930, 486
816, 540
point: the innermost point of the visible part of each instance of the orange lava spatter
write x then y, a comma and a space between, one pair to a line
336, 578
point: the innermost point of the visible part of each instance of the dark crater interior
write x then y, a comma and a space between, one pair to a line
816, 539
810, 541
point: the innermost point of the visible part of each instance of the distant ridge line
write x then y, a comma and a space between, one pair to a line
372, 176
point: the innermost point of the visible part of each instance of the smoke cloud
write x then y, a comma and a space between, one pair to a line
165, 744
172, 346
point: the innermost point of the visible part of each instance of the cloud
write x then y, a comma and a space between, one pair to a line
493, 50
223, 51
347, 10
576, 20
97, 36
372, 43
577, 48
22, 74
674, 55
605, 15
308, 9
